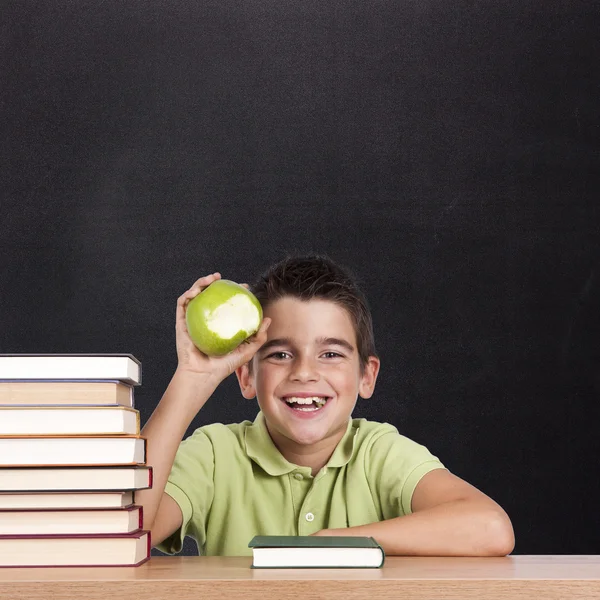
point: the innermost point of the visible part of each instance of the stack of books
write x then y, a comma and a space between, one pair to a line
71, 459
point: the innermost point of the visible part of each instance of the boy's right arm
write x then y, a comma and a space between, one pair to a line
195, 379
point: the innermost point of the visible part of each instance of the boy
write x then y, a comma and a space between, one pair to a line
304, 466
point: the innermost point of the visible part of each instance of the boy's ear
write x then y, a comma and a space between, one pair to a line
246, 381
369, 377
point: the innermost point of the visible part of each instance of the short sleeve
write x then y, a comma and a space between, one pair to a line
191, 485
395, 465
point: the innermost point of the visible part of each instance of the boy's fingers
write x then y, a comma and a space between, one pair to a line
248, 348
187, 296
264, 326
198, 286
180, 318
204, 281
260, 337
184, 299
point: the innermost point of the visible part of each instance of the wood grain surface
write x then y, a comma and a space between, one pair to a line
205, 578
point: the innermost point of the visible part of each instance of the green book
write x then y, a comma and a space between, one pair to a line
310, 552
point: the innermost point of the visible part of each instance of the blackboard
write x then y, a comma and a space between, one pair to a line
448, 153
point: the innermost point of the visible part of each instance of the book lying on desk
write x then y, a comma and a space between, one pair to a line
72, 420
72, 450
292, 552
11, 500
70, 521
122, 367
65, 392
101, 550
75, 479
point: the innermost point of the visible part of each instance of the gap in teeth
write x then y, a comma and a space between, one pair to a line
318, 399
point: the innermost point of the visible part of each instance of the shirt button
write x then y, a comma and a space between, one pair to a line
298, 476
309, 517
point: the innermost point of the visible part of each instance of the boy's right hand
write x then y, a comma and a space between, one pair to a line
190, 359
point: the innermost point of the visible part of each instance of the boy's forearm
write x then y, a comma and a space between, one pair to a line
164, 430
459, 528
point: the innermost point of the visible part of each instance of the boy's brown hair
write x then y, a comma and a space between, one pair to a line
316, 276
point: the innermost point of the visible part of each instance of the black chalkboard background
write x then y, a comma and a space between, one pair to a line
447, 152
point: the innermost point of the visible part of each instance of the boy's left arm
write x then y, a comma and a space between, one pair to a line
449, 517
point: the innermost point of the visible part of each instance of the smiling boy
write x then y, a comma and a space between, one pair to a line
304, 466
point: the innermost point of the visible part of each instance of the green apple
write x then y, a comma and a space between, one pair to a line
222, 316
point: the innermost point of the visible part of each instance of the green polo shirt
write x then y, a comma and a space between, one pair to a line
232, 483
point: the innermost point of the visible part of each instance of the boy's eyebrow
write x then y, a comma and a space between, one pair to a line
332, 341
275, 342
322, 341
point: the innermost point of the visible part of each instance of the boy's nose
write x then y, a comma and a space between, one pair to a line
304, 369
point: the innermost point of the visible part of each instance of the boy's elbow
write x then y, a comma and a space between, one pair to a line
500, 536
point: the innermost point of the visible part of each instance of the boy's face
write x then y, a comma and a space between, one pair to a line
310, 352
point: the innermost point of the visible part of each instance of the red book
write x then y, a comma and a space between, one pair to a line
75, 479
65, 521
101, 550
55, 500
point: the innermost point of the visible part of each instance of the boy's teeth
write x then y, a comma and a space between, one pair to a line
310, 400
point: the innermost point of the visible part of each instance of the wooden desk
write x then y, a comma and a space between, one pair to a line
207, 578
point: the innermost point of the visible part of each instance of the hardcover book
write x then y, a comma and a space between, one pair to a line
101, 550
64, 521
41, 500
72, 450
64, 392
71, 420
75, 479
316, 552
122, 367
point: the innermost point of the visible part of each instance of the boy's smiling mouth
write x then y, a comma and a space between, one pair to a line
307, 403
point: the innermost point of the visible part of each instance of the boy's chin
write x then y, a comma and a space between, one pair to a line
303, 435
307, 435
306, 439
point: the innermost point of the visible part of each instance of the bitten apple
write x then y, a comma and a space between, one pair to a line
222, 316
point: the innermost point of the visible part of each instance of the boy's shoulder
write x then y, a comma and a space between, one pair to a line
370, 431
368, 427
380, 438
223, 432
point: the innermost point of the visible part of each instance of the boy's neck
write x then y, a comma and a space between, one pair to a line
314, 456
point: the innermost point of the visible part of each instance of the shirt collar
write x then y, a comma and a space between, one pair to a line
261, 449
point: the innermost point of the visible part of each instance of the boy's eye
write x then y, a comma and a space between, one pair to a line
281, 355
278, 355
